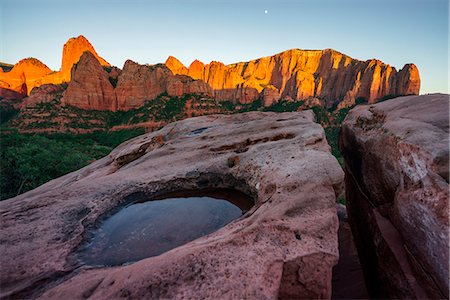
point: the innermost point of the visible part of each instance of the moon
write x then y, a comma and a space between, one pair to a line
266, 11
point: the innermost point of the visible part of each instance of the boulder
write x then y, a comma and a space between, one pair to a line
397, 182
179, 85
284, 247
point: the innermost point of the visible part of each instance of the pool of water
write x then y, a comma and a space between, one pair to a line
145, 229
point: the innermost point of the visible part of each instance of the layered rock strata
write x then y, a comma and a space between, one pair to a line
397, 183
284, 247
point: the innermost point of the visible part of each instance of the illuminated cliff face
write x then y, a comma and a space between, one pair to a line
33, 72
300, 74
293, 74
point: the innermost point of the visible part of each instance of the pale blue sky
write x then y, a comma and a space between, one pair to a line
394, 31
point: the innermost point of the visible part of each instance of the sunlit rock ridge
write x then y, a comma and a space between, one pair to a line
333, 77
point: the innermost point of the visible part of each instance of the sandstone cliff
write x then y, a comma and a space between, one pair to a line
90, 87
72, 51
139, 83
30, 72
300, 74
24, 76
295, 74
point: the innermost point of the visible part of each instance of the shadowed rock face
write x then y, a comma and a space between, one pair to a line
284, 246
396, 163
90, 87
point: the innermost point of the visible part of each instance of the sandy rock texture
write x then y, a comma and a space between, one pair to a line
397, 182
284, 247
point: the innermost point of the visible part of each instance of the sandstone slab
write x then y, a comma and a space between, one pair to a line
284, 247
397, 182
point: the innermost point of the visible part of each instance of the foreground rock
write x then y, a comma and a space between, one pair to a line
396, 163
285, 246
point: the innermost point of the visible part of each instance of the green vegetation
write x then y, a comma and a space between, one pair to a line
31, 160
7, 113
285, 106
113, 81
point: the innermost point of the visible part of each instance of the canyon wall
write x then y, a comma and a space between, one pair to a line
284, 247
397, 181
299, 74
333, 77
30, 72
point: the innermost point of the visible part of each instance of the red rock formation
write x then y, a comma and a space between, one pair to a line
72, 51
23, 76
270, 95
30, 72
11, 95
294, 74
90, 87
408, 80
196, 70
42, 94
140, 83
397, 172
299, 74
174, 64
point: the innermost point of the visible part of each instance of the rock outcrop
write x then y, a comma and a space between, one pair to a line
72, 51
23, 77
293, 74
42, 94
90, 87
285, 246
30, 72
140, 83
300, 74
397, 189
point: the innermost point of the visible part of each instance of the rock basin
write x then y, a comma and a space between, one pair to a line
150, 227
283, 247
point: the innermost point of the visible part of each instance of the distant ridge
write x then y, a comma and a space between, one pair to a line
328, 75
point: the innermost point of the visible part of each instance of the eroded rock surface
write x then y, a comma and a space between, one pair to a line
285, 246
396, 162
